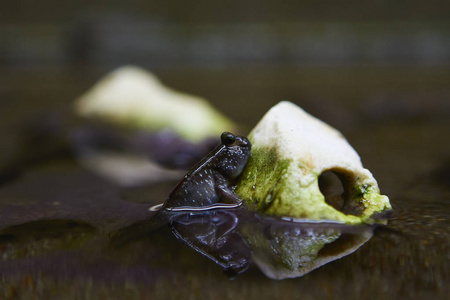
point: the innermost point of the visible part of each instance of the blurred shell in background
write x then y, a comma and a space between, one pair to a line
136, 130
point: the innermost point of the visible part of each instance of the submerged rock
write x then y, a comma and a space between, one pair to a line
291, 149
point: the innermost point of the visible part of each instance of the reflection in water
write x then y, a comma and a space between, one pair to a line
280, 248
214, 235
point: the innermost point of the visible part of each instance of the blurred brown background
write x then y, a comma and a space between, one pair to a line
226, 32
177, 33
379, 71
349, 63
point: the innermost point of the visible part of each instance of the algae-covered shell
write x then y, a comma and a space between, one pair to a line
291, 149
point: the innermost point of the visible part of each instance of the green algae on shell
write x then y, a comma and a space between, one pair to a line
291, 149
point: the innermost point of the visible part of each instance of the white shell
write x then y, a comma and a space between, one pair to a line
131, 95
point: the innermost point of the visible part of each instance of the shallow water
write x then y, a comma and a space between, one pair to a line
59, 222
